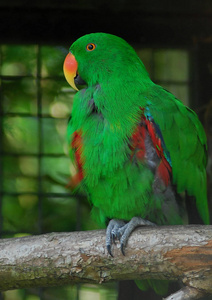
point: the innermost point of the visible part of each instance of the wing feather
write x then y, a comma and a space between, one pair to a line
185, 140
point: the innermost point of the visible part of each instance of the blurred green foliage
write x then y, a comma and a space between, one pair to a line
35, 105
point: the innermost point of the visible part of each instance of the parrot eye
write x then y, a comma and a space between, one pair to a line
90, 47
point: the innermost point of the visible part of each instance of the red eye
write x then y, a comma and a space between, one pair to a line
90, 47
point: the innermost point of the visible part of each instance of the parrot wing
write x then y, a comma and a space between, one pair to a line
185, 139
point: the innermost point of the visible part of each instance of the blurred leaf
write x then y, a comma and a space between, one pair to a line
18, 60
54, 91
21, 135
12, 295
28, 165
19, 96
54, 135
171, 64
52, 61
18, 218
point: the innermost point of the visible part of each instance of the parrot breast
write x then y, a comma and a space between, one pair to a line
127, 186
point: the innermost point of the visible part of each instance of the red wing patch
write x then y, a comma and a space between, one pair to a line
138, 143
164, 171
76, 145
147, 127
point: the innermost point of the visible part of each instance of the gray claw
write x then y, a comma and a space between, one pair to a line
122, 249
109, 250
112, 233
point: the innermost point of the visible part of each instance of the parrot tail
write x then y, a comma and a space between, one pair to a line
159, 286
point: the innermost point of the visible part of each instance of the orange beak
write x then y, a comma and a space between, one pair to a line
70, 69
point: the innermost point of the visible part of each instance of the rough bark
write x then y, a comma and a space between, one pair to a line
172, 253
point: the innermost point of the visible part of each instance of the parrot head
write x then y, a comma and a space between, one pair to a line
98, 57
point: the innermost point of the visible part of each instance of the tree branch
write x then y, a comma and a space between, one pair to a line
172, 253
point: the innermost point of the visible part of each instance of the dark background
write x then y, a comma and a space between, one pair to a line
149, 22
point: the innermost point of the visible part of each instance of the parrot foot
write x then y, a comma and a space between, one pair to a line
118, 229
112, 233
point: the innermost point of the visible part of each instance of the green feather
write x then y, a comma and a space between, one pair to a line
159, 286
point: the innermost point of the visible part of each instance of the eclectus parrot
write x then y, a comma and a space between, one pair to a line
137, 148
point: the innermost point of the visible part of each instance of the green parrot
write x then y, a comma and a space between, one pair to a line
136, 147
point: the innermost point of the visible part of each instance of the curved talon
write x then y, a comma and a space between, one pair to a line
122, 249
109, 250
